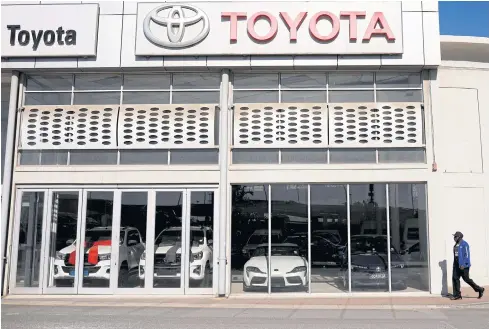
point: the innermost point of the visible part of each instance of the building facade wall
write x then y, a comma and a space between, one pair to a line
460, 123
453, 167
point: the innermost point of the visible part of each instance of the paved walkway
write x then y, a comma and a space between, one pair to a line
253, 301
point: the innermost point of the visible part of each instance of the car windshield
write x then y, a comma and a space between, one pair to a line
171, 237
259, 239
368, 244
277, 251
295, 240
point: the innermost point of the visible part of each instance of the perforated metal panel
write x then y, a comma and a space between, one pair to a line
166, 126
376, 124
69, 127
280, 125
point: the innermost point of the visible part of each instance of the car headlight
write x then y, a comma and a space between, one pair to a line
253, 269
398, 265
358, 267
298, 269
104, 257
143, 256
60, 256
198, 255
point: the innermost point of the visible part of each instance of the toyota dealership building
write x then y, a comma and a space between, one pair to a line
240, 147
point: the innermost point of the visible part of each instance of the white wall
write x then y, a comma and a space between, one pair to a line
459, 190
117, 37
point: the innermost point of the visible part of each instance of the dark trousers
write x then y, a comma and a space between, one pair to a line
457, 273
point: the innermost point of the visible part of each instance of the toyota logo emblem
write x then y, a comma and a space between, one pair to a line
176, 23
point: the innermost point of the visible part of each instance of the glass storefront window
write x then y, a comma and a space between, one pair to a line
329, 234
30, 237
368, 238
134, 209
250, 236
362, 242
408, 230
289, 259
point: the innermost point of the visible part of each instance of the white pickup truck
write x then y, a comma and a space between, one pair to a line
98, 248
168, 260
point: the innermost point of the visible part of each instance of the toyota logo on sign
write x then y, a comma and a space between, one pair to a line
183, 26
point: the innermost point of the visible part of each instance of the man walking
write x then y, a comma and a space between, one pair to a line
461, 267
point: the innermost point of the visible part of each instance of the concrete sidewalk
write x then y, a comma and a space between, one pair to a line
253, 301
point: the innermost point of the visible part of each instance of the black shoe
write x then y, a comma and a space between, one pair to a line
481, 293
456, 297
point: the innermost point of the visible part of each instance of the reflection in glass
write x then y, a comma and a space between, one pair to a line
134, 208
255, 96
201, 239
49, 82
289, 258
409, 236
329, 235
398, 80
97, 245
168, 243
257, 81
30, 237
368, 240
196, 81
47, 99
63, 228
249, 230
303, 80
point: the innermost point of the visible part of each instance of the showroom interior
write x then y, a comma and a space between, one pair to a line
254, 174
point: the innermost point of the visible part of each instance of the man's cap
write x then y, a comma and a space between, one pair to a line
458, 234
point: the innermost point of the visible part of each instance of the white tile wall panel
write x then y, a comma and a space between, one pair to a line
185, 62
108, 44
304, 61
109, 7
229, 61
430, 5
286, 62
432, 50
18, 63
69, 127
376, 124
412, 44
54, 63
128, 58
130, 7
411, 5
359, 62
280, 125
166, 126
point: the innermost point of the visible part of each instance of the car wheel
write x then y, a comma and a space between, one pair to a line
246, 288
123, 276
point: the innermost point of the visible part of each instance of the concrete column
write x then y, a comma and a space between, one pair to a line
8, 167
223, 180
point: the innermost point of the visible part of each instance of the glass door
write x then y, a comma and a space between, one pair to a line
178, 256
99, 243
162, 265
26, 270
62, 236
200, 264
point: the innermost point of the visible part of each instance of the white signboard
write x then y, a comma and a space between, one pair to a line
269, 28
49, 30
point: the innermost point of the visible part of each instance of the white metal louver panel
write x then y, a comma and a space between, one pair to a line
69, 127
166, 126
376, 124
280, 125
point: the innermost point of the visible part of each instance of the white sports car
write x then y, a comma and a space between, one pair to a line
289, 269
